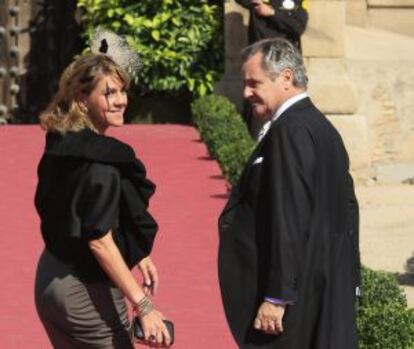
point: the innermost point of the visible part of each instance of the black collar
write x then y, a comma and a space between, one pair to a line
89, 145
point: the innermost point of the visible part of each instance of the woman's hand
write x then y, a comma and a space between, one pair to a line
155, 331
150, 275
110, 259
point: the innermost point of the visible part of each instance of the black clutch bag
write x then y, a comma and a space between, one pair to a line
139, 333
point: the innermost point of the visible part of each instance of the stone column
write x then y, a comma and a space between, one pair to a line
5, 63
329, 85
236, 21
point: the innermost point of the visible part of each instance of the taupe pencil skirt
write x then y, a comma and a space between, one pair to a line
78, 315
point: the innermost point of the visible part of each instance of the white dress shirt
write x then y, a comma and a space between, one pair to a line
288, 103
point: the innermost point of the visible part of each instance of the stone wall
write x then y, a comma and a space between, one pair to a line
380, 65
393, 15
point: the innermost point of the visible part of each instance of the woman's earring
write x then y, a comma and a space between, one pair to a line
83, 108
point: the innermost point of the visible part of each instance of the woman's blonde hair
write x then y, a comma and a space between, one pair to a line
65, 113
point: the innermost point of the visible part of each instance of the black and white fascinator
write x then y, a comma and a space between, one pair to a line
116, 47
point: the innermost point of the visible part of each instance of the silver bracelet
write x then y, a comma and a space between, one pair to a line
143, 307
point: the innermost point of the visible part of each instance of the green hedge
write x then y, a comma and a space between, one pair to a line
384, 322
180, 42
224, 133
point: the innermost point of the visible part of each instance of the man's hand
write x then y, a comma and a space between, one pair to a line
269, 318
150, 275
262, 9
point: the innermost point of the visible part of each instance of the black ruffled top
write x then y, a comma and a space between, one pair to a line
90, 184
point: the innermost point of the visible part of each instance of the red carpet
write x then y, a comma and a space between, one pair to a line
190, 195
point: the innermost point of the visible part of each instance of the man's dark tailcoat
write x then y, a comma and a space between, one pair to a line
290, 231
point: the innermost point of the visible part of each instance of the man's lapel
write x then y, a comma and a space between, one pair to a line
239, 189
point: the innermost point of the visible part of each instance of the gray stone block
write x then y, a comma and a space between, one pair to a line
395, 173
330, 87
353, 130
324, 36
356, 13
398, 20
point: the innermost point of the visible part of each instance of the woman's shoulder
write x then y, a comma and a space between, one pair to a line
107, 149
91, 146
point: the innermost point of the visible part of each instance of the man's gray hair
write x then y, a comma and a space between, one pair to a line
279, 54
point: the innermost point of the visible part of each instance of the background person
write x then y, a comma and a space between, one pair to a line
288, 255
276, 18
92, 198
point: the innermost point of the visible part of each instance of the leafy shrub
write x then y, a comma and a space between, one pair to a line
384, 322
224, 132
180, 41
232, 156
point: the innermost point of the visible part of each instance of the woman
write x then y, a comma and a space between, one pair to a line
92, 198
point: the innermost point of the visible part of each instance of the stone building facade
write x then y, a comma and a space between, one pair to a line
361, 77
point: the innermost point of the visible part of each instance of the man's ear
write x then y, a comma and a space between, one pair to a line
287, 77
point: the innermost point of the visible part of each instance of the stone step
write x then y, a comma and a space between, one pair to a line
395, 173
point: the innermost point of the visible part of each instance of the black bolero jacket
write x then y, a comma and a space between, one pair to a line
89, 184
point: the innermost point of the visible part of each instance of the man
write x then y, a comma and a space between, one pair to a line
288, 255
270, 19
276, 18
